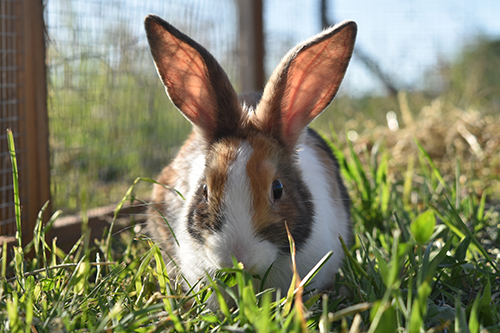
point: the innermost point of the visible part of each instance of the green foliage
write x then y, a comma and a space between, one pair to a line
420, 264
422, 227
473, 79
422, 261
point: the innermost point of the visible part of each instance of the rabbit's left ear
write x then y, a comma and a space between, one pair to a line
194, 80
305, 82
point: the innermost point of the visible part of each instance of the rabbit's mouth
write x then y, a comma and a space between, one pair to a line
254, 255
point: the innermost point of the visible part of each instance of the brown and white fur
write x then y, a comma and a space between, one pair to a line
246, 170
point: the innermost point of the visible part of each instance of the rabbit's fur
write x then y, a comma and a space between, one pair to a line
246, 171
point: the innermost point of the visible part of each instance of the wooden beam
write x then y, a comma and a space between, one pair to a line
35, 89
69, 229
251, 47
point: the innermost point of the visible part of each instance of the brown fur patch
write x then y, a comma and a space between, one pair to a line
166, 201
262, 170
157, 226
270, 161
220, 158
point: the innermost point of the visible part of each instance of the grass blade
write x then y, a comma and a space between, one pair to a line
15, 185
435, 170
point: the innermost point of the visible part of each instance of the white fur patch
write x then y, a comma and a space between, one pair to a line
237, 237
330, 221
193, 266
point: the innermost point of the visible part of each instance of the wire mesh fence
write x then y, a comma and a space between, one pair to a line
110, 120
12, 109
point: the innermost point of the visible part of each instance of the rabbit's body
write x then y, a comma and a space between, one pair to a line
245, 172
239, 235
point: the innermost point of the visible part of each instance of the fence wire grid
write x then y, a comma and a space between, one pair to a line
110, 120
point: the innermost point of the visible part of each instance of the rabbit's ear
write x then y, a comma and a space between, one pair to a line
194, 80
305, 82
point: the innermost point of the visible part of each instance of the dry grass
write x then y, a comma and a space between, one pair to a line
451, 136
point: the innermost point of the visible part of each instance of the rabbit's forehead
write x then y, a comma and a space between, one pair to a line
258, 154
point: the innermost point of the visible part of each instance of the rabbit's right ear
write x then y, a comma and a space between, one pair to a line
305, 82
194, 80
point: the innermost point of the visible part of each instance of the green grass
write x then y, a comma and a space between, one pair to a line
425, 259
108, 124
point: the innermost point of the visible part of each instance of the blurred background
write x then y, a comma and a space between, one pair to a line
425, 69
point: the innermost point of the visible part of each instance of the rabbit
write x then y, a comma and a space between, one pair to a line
247, 169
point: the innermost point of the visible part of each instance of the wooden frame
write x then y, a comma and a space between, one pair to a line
28, 111
251, 48
37, 136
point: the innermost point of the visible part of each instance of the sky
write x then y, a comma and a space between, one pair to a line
405, 37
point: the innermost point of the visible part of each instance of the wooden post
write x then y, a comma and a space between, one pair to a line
35, 98
251, 45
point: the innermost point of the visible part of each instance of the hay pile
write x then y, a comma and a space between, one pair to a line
448, 134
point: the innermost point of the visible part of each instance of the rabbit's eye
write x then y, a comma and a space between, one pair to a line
205, 191
277, 189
